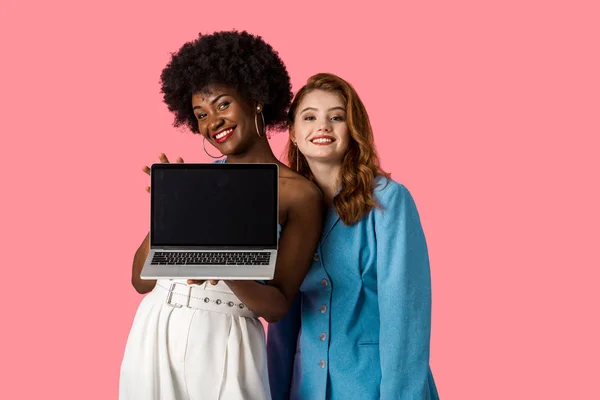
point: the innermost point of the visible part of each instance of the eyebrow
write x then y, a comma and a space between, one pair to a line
214, 100
331, 109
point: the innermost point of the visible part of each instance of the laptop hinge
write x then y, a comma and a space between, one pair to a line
205, 248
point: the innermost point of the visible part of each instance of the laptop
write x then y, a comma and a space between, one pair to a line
213, 221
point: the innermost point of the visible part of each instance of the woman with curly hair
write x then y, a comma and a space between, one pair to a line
366, 300
228, 87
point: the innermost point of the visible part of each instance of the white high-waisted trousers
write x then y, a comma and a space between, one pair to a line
194, 342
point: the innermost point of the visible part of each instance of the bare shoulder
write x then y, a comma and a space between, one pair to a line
300, 189
297, 190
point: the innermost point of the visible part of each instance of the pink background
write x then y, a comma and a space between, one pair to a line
487, 111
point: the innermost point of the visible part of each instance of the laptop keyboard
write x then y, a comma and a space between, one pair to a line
211, 258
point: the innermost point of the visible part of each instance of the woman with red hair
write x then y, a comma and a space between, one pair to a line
366, 301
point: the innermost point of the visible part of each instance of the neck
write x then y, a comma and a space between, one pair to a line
327, 178
258, 152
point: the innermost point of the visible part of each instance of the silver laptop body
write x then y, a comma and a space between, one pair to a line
213, 221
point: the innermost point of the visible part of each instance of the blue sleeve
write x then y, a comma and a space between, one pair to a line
404, 294
282, 337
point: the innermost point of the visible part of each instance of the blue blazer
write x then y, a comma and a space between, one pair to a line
360, 327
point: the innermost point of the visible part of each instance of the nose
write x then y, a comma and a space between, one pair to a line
324, 126
214, 124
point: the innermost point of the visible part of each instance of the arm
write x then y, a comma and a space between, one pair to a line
141, 286
404, 294
297, 245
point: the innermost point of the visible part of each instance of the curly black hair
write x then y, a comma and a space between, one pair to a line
240, 60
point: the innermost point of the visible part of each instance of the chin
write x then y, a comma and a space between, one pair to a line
326, 158
234, 150
229, 148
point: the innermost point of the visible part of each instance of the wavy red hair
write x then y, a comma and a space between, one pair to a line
360, 165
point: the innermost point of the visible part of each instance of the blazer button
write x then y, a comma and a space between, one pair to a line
322, 336
323, 309
324, 282
316, 257
322, 364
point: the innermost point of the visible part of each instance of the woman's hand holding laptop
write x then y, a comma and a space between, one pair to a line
163, 159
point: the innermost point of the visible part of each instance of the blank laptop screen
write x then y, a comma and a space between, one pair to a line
214, 205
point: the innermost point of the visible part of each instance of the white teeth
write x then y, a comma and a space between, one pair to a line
224, 133
322, 140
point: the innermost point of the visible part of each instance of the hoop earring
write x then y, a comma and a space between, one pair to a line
297, 157
256, 124
204, 147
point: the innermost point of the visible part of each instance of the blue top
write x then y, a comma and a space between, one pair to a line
365, 310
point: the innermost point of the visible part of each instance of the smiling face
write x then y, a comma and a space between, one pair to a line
225, 119
320, 127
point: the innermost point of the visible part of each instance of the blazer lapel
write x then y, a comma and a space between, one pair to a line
331, 219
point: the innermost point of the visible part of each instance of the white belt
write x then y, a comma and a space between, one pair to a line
192, 296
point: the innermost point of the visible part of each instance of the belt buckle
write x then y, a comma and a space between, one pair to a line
170, 296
